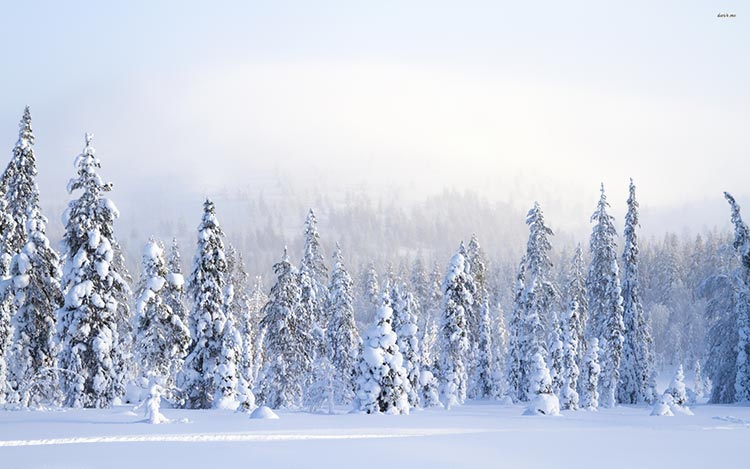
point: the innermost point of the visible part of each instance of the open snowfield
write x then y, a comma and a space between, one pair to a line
478, 434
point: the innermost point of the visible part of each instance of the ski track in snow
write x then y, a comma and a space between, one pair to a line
229, 437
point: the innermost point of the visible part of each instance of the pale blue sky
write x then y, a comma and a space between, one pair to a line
541, 100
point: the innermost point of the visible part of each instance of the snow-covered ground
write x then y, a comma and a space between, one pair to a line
478, 434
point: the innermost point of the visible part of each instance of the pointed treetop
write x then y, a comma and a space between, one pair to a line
741, 231
337, 255
89, 137
632, 202
25, 133
600, 215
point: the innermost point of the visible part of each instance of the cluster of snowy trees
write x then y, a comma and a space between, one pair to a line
76, 331
589, 338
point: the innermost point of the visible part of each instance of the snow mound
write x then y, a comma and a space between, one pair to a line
668, 407
661, 410
264, 413
544, 404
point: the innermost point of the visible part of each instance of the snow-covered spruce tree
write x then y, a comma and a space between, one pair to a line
591, 371
429, 395
677, 387
321, 392
93, 316
477, 268
313, 263
232, 389
538, 297
698, 381
162, 339
605, 299
240, 311
6, 302
174, 289
741, 302
570, 370
556, 355
287, 363
258, 300
200, 378
382, 383
499, 339
369, 292
428, 340
420, 284
577, 292
342, 336
458, 289
484, 379
572, 333
544, 400
405, 327
36, 286
514, 372
635, 371
718, 290
306, 312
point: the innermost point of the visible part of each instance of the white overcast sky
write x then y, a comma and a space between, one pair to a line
521, 100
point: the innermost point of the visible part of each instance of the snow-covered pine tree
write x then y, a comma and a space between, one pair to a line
477, 268
538, 297
92, 318
369, 292
676, 388
544, 400
314, 264
591, 371
19, 184
174, 289
571, 372
458, 290
342, 336
306, 312
420, 284
429, 395
514, 374
232, 389
499, 339
741, 302
240, 311
382, 383
605, 299
635, 371
556, 355
6, 302
162, 339
405, 327
485, 384
577, 292
698, 381
428, 340
287, 363
200, 378
718, 290
17, 189
572, 333
258, 300
36, 286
